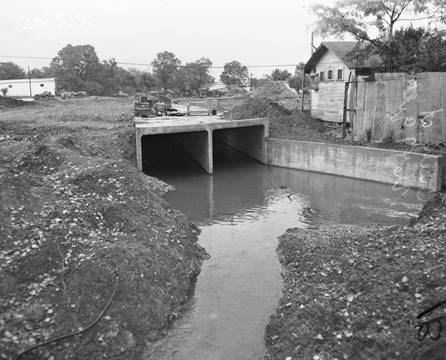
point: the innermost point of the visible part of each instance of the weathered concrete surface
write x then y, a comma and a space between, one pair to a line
402, 169
249, 140
198, 144
247, 136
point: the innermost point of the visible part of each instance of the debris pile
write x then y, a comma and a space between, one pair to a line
278, 93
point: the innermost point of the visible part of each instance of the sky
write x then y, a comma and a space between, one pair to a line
254, 32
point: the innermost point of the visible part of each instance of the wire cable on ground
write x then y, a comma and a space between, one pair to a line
79, 332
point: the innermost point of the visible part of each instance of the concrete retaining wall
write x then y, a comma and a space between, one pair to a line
399, 168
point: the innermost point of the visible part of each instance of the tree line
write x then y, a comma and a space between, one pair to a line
374, 23
380, 26
78, 68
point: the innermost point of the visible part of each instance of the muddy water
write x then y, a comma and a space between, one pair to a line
241, 211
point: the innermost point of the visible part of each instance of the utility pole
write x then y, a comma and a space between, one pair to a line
250, 83
312, 43
302, 108
113, 78
29, 81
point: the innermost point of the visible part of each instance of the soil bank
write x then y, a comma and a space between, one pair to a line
296, 125
354, 292
81, 227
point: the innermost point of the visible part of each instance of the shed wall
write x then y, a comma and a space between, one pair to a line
402, 107
327, 101
21, 87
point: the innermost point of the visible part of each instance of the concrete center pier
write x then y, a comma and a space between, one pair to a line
197, 134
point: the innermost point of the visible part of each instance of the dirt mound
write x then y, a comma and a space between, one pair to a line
278, 93
285, 124
6, 102
82, 227
234, 90
256, 107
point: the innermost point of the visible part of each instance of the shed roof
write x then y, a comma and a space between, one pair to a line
341, 49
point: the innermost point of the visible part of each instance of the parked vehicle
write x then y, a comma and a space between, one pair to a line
46, 95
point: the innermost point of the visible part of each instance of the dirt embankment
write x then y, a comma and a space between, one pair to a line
80, 227
296, 125
355, 292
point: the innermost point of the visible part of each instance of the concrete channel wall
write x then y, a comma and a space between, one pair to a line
399, 168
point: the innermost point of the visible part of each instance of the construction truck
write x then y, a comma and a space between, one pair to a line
144, 106
154, 104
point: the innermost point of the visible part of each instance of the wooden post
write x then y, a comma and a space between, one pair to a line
302, 89
112, 79
344, 115
29, 81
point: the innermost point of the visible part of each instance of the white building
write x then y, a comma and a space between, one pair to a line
27, 87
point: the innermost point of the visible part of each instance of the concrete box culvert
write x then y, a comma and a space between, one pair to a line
195, 136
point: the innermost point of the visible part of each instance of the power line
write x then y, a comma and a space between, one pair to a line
150, 65
422, 18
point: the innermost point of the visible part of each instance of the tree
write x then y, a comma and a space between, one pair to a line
257, 82
144, 81
78, 68
165, 66
44, 72
409, 50
197, 73
280, 75
296, 81
194, 75
359, 18
9, 71
234, 73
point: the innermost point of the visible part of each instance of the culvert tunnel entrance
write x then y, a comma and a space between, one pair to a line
177, 152
182, 151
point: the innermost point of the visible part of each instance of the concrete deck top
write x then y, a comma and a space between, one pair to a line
175, 124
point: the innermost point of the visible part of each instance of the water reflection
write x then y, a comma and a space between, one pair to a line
240, 186
241, 211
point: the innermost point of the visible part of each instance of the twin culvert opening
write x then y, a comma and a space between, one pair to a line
181, 151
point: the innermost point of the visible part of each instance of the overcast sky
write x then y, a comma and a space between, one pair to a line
255, 32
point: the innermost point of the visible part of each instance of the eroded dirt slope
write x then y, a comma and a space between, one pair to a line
354, 292
80, 227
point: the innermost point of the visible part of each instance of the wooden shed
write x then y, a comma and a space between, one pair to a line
329, 69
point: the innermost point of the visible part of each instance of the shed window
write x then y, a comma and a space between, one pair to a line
340, 74
41, 85
10, 86
321, 76
330, 75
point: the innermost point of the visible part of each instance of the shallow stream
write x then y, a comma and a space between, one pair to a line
242, 210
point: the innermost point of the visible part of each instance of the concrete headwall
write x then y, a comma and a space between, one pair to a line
196, 136
403, 169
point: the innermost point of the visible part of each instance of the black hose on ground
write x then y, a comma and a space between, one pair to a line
74, 333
